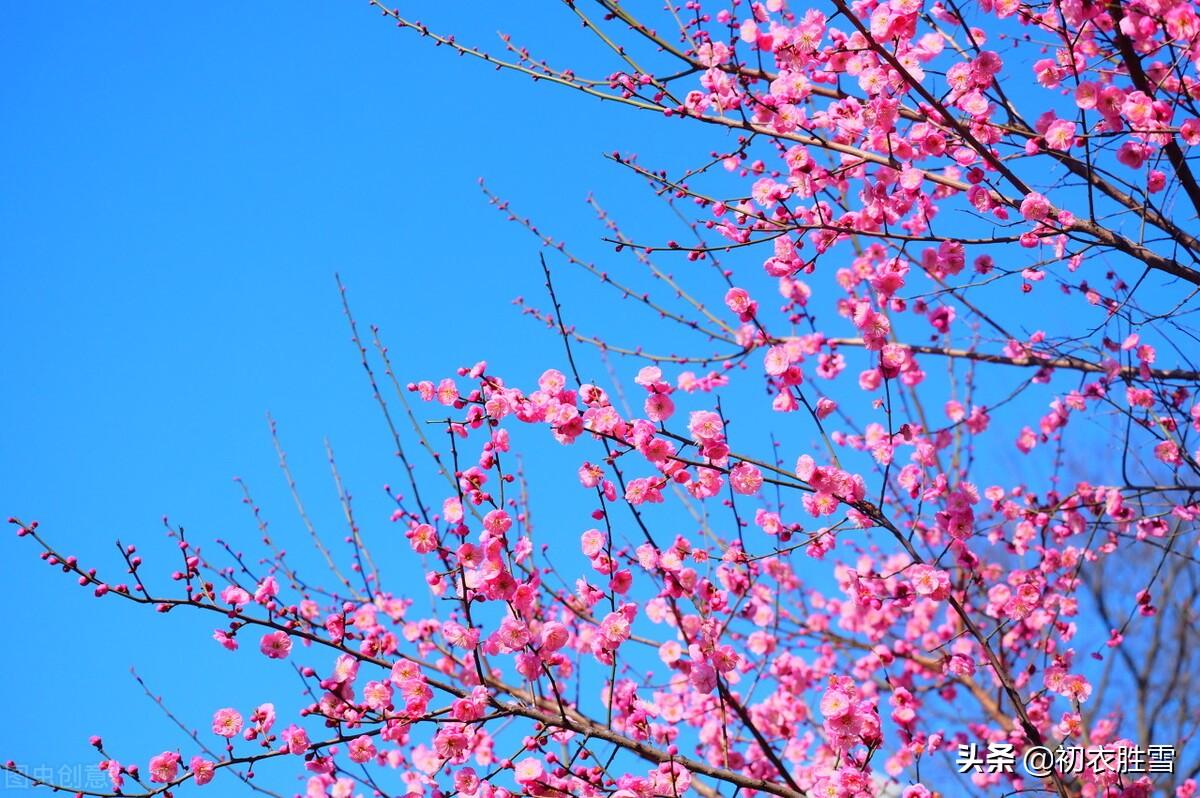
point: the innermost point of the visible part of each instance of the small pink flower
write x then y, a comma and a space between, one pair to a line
592, 542
225, 639
929, 581
202, 770
739, 301
745, 478
834, 704
552, 381
703, 677
276, 645
362, 749
263, 717
961, 665
615, 627
712, 53
1168, 452
235, 596
706, 425
1035, 207
345, 669
527, 770
776, 361
553, 636
1076, 688
377, 695
497, 522
659, 407
648, 375
266, 590
226, 722
1133, 154
164, 767
466, 781
423, 538
974, 103
113, 768
1189, 131
512, 635
805, 467
295, 739
1086, 95
1060, 135
941, 317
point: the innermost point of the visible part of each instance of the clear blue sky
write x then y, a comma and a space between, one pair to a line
178, 190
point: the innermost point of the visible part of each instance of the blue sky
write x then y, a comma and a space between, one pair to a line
179, 191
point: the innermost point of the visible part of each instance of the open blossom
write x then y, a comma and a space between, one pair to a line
235, 596
276, 645
497, 522
466, 781
345, 669
712, 53
739, 301
202, 770
377, 695
974, 103
706, 425
776, 361
362, 749
528, 770
961, 665
659, 407
615, 627
703, 677
164, 768
295, 739
1060, 135
929, 581
450, 742
554, 636
1169, 453
423, 538
592, 542
670, 652
835, 703
267, 589
644, 489
745, 478
1035, 207
226, 722
1076, 688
